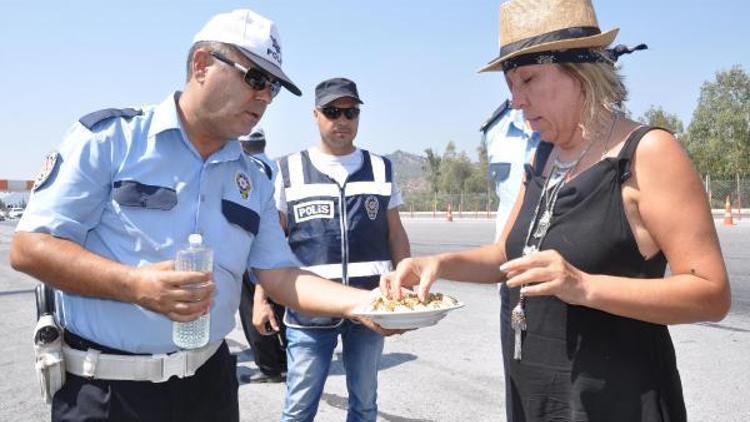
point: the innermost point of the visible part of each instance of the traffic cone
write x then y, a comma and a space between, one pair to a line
728, 221
450, 213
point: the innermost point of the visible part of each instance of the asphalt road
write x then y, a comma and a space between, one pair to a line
449, 372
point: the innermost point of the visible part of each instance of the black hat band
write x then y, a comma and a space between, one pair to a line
573, 55
559, 35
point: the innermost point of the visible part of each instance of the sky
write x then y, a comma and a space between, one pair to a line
414, 62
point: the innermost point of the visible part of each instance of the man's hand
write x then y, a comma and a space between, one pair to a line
264, 316
385, 332
179, 295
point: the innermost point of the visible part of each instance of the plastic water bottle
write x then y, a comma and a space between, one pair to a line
196, 257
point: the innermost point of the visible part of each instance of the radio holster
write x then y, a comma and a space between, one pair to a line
48, 344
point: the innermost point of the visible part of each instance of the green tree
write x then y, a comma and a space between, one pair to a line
719, 135
456, 168
656, 116
432, 169
478, 181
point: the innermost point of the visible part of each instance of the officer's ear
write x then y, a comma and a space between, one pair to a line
201, 60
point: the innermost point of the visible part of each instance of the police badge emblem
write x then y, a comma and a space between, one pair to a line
243, 184
50, 162
372, 206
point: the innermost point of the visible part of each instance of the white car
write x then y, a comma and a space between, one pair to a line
16, 212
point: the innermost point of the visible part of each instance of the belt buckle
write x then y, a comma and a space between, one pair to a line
173, 365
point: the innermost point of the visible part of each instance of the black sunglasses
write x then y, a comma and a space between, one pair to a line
255, 78
334, 113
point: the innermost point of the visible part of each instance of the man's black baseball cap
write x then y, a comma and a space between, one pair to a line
332, 89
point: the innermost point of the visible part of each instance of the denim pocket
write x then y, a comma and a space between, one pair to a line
129, 193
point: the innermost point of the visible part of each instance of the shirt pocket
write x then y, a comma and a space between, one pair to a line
241, 227
499, 172
130, 193
245, 218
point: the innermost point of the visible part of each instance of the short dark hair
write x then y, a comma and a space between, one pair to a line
253, 148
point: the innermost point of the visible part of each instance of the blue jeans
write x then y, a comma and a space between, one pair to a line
309, 353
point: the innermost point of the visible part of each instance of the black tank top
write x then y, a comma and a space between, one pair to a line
581, 364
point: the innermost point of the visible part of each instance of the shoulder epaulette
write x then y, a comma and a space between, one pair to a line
262, 166
495, 115
91, 119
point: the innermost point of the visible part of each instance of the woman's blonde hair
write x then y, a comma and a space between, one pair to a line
603, 89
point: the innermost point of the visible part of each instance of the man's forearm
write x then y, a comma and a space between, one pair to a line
308, 293
67, 266
259, 297
398, 244
398, 240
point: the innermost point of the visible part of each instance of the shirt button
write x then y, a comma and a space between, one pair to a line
203, 198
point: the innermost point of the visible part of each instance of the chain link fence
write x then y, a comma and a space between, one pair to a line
461, 204
484, 204
737, 190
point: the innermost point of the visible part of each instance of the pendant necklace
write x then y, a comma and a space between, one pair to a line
552, 186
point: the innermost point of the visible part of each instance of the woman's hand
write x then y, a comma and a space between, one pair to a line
422, 271
367, 299
550, 274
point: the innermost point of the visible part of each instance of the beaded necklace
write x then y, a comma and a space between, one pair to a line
552, 186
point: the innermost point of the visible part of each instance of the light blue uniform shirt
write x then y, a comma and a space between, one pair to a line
510, 144
132, 190
271, 163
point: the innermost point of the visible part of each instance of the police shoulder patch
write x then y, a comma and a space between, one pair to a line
90, 120
51, 161
262, 166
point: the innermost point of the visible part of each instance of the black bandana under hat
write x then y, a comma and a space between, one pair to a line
573, 55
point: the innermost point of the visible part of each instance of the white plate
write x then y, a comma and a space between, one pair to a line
405, 320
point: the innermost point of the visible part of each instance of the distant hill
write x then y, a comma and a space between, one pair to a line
409, 171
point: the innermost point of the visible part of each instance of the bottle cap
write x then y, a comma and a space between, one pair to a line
195, 239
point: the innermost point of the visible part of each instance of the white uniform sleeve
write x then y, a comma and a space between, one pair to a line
396, 200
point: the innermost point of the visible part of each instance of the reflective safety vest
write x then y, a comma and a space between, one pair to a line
337, 232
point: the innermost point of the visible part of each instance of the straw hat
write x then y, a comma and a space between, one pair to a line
534, 26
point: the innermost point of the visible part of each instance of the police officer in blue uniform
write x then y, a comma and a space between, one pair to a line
124, 191
267, 338
339, 205
510, 145
254, 145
